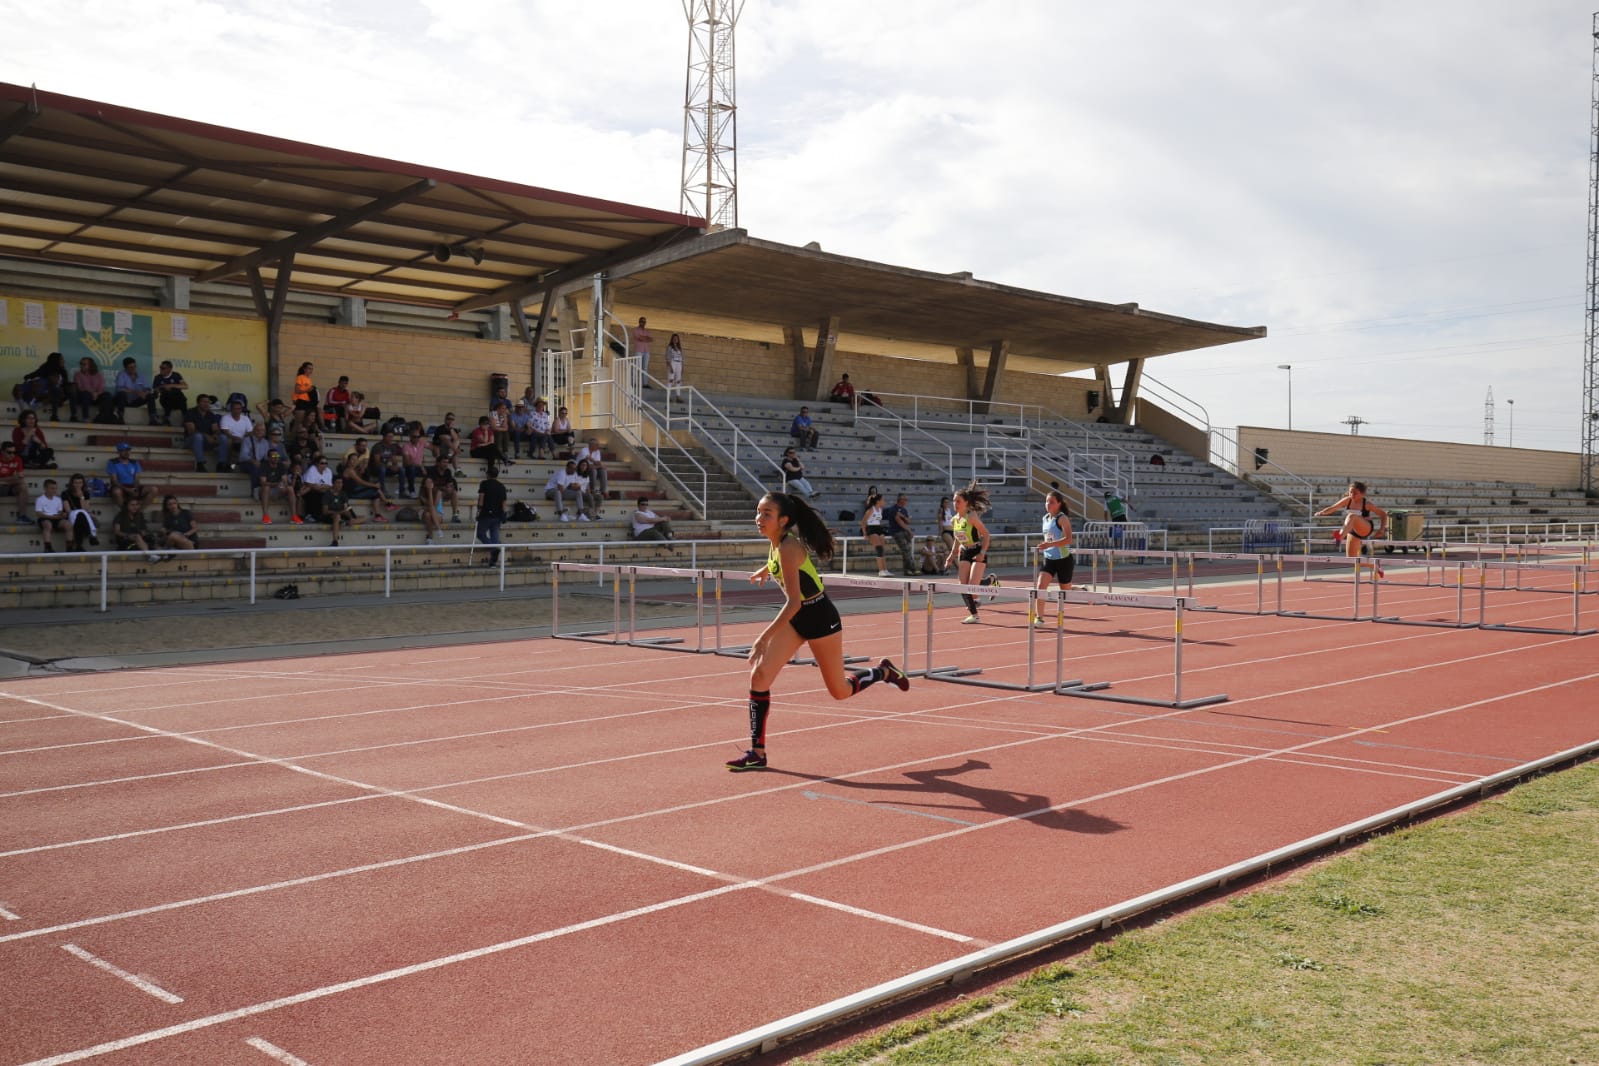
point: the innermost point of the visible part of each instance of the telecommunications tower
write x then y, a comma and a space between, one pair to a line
1590, 363
710, 113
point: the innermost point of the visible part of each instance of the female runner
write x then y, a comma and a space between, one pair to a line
971, 543
1055, 550
807, 617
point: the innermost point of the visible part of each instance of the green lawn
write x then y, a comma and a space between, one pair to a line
1470, 939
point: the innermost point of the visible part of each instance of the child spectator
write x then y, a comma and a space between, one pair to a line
123, 474
178, 523
50, 511
133, 391
168, 386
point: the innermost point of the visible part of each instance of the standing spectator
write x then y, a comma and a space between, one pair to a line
674, 362
803, 431
647, 525
123, 473
440, 486
897, 521
794, 474
333, 410
169, 386
13, 481
30, 443
843, 392
414, 453
253, 452
599, 478
500, 424
641, 346
45, 385
562, 486
540, 444
561, 432
178, 525
276, 479
490, 513
81, 530
336, 509
203, 428
50, 511
521, 430
131, 530
305, 395
315, 485
133, 391
235, 425
88, 391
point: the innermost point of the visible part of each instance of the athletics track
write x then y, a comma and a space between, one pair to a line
529, 852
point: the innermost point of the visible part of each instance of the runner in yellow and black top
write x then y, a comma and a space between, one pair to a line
807, 617
971, 543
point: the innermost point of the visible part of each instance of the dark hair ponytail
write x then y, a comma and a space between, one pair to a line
804, 523
976, 497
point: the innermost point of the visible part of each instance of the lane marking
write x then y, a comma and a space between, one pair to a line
116, 971
274, 1052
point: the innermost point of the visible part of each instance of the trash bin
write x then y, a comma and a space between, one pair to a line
498, 382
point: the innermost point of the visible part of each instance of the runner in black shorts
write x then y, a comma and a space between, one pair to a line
807, 617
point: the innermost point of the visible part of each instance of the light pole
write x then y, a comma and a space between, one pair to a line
1512, 404
1290, 368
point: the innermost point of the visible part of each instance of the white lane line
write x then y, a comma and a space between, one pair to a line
116, 971
272, 1051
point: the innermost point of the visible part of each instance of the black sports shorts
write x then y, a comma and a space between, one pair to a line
817, 617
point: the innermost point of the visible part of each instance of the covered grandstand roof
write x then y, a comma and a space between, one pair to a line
100, 185
733, 276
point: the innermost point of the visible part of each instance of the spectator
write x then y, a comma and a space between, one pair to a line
561, 432
305, 394
647, 525
794, 474
483, 443
315, 485
336, 509
45, 385
50, 512
843, 392
333, 410
168, 386
897, 522
591, 494
803, 431
641, 346
360, 416
29, 439
81, 530
387, 461
562, 486
131, 530
541, 446
933, 556
133, 391
276, 478
178, 523
13, 482
521, 425
202, 426
123, 474
447, 441
490, 513
600, 480
674, 362
89, 394
236, 425
440, 486
414, 459
253, 452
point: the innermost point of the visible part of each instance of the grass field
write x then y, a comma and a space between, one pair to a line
1473, 938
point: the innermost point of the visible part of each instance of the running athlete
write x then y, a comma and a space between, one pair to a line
807, 617
1055, 550
971, 543
1358, 512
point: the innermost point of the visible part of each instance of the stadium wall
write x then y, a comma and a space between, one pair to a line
1345, 455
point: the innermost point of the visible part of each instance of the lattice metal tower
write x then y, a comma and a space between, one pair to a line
1590, 364
1488, 417
710, 113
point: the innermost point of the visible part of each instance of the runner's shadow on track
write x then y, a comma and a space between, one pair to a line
1023, 806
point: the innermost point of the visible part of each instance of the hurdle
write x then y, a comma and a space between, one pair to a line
1577, 572
972, 675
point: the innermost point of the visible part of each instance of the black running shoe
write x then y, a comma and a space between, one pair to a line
894, 675
748, 761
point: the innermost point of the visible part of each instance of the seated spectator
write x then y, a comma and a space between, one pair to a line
178, 523
46, 385
483, 443
447, 441
130, 530
794, 474
168, 386
336, 509
82, 533
803, 431
521, 422
133, 391
50, 512
561, 432
123, 474
565, 486
440, 487
202, 427
843, 392
598, 476
89, 396
30, 443
276, 478
358, 417
541, 445
647, 525
13, 482
236, 425
414, 459
315, 484
333, 407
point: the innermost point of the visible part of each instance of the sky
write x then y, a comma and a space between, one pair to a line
1397, 190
